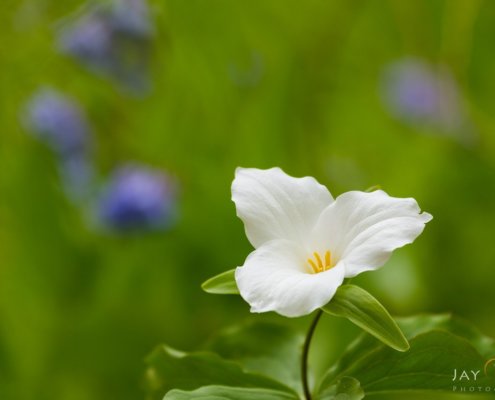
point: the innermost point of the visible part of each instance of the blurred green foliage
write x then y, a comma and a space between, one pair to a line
252, 83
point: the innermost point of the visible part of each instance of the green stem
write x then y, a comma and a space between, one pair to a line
305, 354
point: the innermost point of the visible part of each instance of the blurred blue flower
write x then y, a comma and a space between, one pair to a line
132, 17
137, 198
421, 94
58, 121
112, 39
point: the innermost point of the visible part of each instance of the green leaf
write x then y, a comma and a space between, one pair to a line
223, 283
346, 388
171, 369
365, 311
229, 393
413, 326
267, 348
439, 344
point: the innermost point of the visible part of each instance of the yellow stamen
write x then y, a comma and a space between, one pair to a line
320, 263
313, 265
317, 263
327, 260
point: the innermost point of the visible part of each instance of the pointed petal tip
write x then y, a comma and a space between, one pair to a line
427, 217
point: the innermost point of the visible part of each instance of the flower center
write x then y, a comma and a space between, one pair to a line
320, 264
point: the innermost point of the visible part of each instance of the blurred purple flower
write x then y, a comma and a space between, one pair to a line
421, 94
112, 39
58, 121
90, 40
132, 17
137, 198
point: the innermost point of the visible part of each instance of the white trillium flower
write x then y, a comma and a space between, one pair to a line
306, 242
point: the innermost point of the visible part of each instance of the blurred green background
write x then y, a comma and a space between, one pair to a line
256, 83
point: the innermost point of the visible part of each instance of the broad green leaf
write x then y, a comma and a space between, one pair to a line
413, 326
365, 311
439, 344
346, 388
223, 283
229, 393
416, 325
268, 348
171, 369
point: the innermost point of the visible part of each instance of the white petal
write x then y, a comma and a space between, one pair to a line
364, 228
274, 205
275, 277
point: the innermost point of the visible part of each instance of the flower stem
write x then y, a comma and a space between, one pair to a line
305, 354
